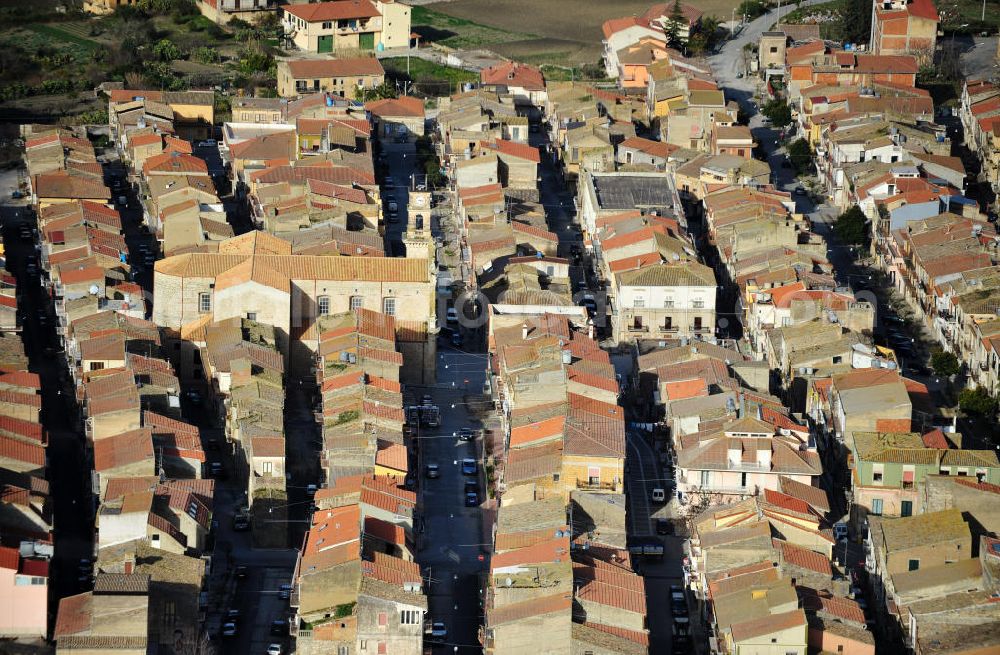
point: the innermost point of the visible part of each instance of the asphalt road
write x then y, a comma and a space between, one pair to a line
451, 537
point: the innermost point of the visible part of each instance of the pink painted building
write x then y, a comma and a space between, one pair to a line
24, 586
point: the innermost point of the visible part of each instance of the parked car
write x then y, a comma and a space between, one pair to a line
279, 627
233, 616
471, 499
452, 315
241, 572
678, 603
208, 143
229, 629
469, 466
274, 649
658, 495
800, 191
432, 471
285, 592
465, 434
664, 526
438, 631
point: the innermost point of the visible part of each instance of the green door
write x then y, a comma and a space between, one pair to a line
325, 44
366, 40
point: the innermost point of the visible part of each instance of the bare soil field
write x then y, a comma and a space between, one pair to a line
564, 29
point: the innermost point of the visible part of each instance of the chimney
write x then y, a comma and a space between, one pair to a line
590, 328
524, 330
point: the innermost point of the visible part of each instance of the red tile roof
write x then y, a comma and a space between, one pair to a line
514, 149
29, 430
536, 432
803, 558
333, 539
784, 501
74, 615
534, 607
21, 379
394, 570
843, 608
545, 552
348, 67
174, 162
331, 11
123, 449
510, 73
385, 492
391, 533
655, 148
392, 107
640, 638
21, 451
391, 455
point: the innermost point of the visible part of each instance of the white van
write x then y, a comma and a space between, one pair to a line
659, 495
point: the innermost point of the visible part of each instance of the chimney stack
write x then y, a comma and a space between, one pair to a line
524, 330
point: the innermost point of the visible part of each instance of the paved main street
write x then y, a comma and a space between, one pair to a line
451, 543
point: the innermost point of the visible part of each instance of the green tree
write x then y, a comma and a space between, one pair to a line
205, 55
945, 363
977, 401
166, 50
751, 9
856, 21
673, 26
255, 59
851, 226
800, 155
778, 111
380, 92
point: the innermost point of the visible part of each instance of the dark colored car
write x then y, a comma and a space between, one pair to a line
465, 434
432, 471
469, 467
279, 627
471, 499
664, 526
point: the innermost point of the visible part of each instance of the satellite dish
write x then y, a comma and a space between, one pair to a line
94, 289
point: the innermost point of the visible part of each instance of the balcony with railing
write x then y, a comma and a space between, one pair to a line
596, 485
638, 328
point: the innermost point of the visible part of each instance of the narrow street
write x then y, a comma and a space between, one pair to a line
68, 463
451, 545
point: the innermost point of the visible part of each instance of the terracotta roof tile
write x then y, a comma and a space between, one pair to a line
123, 449
392, 456
21, 379
803, 558
333, 10
395, 107
28, 430
390, 533
386, 493
345, 67
74, 615
22, 451
534, 607
768, 624
513, 74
